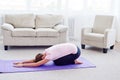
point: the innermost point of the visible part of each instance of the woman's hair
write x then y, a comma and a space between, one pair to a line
38, 57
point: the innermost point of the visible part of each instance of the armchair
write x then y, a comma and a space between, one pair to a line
101, 35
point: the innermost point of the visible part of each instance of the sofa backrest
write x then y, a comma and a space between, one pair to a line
48, 20
21, 20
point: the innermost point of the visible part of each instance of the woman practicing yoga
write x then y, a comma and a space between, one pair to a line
60, 54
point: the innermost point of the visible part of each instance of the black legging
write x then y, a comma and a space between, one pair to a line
68, 59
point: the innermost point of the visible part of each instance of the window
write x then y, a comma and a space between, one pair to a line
43, 4
76, 5
55, 5
12, 5
99, 5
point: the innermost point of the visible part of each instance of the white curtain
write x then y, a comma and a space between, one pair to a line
56, 5
78, 13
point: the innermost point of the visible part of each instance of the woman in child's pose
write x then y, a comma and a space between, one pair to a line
60, 54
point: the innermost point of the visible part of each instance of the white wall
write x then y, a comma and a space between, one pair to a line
0, 27
117, 13
117, 28
82, 20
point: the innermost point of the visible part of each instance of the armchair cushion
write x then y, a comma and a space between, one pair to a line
47, 32
22, 32
94, 37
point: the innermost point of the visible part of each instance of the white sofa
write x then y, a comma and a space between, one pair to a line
33, 30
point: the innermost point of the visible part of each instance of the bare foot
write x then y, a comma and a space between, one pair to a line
78, 62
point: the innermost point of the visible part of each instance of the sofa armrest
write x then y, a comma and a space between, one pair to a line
7, 27
61, 28
86, 30
110, 35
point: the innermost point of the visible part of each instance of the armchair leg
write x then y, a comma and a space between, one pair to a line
105, 50
83, 46
111, 47
5, 47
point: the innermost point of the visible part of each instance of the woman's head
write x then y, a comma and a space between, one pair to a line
38, 57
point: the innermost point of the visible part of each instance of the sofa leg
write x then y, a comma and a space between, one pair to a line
105, 50
83, 46
5, 47
111, 47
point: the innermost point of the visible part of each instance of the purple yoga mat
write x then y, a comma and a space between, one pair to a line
6, 66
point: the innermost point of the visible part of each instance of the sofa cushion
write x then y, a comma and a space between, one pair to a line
47, 20
94, 37
47, 32
17, 32
21, 20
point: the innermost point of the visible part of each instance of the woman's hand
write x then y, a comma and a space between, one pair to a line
32, 64
18, 65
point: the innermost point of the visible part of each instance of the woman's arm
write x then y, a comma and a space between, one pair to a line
27, 61
32, 64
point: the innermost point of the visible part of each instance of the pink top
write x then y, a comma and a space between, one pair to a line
60, 50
